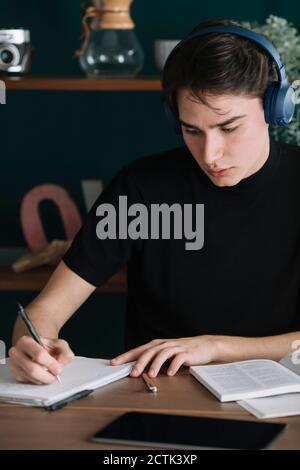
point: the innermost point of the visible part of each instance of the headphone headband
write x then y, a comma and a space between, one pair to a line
246, 33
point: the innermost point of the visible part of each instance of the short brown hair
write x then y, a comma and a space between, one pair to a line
217, 63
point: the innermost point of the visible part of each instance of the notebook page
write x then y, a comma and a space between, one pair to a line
80, 374
273, 407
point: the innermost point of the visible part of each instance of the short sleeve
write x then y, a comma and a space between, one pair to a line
95, 259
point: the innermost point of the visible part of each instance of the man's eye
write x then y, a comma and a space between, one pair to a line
192, 131
227, 130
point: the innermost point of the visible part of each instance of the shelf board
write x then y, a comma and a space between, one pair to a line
35, 280
82, 84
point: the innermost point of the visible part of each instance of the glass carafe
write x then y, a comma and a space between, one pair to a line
111, 48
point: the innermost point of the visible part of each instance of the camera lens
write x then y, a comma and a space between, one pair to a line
6, 56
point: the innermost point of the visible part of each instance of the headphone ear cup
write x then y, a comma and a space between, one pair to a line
269, 99
285, 104
279, 104
172, 118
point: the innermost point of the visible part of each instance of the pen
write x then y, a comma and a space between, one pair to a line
150, 384
65, 401
33, 333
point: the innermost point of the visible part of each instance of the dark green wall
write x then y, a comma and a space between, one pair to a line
56, 24
64, 137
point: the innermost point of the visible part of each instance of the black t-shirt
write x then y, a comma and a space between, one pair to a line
243, 281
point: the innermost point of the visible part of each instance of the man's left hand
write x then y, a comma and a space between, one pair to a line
183, 351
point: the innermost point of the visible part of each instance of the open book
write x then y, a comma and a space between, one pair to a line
278, 405
81, 374
249, 379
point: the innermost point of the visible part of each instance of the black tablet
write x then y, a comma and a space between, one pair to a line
187, 432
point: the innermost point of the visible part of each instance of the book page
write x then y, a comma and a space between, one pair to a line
246, 376
81, 373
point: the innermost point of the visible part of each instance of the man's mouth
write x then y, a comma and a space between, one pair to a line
219, 172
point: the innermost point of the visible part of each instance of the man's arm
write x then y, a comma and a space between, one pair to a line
205, 349
234, 348
64, 293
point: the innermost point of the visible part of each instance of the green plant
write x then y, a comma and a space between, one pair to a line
286, 39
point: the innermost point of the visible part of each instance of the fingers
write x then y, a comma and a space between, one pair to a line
60, 349
133, 354
178, 361
161, 358
144, 360
26, 370
31, 362
162, 352
160, 349
39, 355
20, 374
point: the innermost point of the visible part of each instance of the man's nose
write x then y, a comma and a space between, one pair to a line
211, 150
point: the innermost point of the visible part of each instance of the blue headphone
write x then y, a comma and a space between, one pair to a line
279, 99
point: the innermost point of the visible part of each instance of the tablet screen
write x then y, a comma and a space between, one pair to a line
187, 432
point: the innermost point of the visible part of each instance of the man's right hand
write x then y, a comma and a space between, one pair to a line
30, 362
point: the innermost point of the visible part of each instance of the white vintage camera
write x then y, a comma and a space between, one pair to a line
15, 51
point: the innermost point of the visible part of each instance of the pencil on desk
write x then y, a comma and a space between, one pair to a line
150, 384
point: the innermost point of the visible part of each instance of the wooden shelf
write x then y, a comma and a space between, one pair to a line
82, 84
36, 279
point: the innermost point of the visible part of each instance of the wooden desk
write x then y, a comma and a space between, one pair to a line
71, 427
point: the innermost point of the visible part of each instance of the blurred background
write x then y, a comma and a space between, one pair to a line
66, 136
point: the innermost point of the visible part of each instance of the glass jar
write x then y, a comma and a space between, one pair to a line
111, 48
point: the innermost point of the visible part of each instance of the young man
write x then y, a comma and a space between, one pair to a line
238, 296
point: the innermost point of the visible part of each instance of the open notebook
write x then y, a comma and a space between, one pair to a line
81, 374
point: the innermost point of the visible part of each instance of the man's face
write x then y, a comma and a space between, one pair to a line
239, 147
